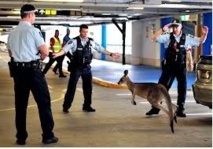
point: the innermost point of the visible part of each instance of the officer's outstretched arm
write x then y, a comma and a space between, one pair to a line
44, 51
55, 55
114, 55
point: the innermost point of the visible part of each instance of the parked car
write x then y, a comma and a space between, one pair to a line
202, 87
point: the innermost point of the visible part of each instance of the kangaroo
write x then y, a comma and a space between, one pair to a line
154, 93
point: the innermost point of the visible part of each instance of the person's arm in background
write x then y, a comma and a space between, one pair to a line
189, 59
204, 33
194, 41
52, 42
64, 41
100, 49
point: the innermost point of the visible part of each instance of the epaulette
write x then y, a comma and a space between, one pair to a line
70, 41
90, 38
190, 35
164, 33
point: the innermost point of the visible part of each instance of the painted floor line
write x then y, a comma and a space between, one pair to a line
4, 59
173, 101
30, 106
193, 114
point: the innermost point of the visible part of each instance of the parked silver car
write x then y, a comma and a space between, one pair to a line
202, 87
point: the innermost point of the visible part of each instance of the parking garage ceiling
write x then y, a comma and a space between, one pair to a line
75, 12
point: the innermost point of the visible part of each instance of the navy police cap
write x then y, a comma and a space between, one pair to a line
27, 8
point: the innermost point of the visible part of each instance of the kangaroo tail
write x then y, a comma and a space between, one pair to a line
169, 105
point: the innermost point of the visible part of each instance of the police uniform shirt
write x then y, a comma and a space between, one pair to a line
66, 38
191, 41
24, 41
71, 45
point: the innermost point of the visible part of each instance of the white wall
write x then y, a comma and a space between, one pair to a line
150, 50
137, 34
144, 50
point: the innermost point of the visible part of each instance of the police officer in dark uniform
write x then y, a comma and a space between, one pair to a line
26, 47
174, 63
81, 48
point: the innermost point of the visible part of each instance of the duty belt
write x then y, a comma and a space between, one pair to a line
31, 64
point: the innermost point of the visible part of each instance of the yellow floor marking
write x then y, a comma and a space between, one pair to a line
30, 106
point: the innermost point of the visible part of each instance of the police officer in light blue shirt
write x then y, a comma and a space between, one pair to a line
71, 46
26, 47
190, 40
174, 63
81, 47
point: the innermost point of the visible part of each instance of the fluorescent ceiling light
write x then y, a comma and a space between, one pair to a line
174, 0
72, 1
135, 8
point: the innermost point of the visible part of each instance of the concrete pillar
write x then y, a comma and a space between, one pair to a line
136, 42
103, 39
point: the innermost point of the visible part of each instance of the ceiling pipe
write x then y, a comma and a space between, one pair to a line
46, 5
130, 12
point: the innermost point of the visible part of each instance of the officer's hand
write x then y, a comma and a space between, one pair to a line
116, 55
55, 55
166, 27
204, 29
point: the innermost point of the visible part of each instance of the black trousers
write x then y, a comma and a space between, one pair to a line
26, 80
169, 73
51, 61
59, 64
86, 75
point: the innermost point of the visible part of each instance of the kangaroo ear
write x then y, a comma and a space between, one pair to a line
125, 72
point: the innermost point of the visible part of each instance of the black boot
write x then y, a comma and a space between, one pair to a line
62, 76
180, 111
153, 111
88, 109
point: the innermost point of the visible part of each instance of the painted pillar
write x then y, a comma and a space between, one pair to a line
103, 39
207, 21
163, 22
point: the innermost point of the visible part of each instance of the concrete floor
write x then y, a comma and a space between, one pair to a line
116, 123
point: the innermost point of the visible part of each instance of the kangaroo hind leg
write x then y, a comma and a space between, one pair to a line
174, 108
133, 98
155, 99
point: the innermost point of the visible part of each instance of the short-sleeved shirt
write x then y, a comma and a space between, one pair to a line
24, 41
191, 41
71, 45
66, 38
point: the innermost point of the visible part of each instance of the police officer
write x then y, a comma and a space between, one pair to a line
26, 46
174, 63
81, 47
55, 47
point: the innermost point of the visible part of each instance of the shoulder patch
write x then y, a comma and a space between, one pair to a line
69, 42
